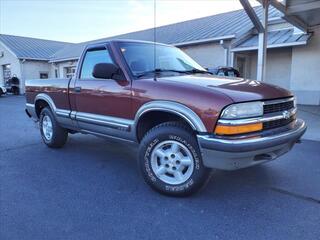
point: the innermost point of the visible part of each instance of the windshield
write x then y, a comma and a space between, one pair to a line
150, 58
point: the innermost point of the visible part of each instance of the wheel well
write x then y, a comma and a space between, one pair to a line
154, 118
39, 105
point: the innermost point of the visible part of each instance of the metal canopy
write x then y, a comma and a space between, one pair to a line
304, 14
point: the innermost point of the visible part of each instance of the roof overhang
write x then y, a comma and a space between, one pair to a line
64, 60
303, 14
207, 40
33, 59
243, 49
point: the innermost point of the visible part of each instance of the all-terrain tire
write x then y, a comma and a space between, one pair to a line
168, 145
58, 136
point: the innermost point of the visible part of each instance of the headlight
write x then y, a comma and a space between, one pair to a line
243, 110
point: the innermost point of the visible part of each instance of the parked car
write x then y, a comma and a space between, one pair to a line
3, 90
13, 85
225, 71
185, 120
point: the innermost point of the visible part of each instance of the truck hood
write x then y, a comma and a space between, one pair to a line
238, 89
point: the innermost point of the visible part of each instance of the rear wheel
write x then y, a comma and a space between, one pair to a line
170, 160
52, 134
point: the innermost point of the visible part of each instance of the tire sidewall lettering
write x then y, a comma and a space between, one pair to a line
150, 173
147, 159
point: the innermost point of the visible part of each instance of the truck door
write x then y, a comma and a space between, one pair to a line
102, 105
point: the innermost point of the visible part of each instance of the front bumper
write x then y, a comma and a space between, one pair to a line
240, 152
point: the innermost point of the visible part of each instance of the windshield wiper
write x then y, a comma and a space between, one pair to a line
158, 70
195, 70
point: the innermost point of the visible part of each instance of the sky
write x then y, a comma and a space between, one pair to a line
84, 20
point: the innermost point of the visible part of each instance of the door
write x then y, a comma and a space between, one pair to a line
241, 66
102, 105
6, 74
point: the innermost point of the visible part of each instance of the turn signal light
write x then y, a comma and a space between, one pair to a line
237, 129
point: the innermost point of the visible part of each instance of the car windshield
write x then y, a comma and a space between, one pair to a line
148, 58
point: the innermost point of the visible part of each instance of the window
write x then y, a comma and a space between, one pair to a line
231, 74
91, 59
44, 75
145, 57
56, 73
69, 72
220, 73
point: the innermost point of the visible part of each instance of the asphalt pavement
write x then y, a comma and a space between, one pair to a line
92, 189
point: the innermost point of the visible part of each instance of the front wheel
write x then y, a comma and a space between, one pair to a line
52, 134
170, 160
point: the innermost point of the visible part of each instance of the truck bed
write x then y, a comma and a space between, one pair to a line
56, 88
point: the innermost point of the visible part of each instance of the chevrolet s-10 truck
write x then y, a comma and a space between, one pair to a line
185, 120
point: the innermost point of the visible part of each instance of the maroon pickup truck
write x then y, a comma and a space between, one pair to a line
185, 120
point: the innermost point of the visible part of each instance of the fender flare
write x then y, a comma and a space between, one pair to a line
172, 107
48, 99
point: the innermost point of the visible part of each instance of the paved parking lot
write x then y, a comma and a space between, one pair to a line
91, 189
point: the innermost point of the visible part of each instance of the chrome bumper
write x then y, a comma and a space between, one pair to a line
236, 153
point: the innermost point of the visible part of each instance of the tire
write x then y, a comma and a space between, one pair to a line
167, 149
58, 136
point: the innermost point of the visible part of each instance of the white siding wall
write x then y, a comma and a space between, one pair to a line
207, 55
305, 71
9, 58
278, 66
32, 70
60, 66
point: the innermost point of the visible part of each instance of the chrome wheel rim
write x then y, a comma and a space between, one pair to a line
47, 127
172, 162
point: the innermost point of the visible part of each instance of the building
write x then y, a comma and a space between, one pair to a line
26, 58
293, 59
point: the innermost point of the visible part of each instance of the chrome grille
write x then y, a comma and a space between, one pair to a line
278, 107
277, 123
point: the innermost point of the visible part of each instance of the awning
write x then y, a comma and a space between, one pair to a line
304, 14
276, 39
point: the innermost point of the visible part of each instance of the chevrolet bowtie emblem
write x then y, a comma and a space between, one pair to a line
286, 114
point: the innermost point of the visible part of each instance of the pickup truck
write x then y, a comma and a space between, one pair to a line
185, 120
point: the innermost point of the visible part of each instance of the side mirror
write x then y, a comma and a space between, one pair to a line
105, 70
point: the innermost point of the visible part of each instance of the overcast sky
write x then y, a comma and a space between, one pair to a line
83, 20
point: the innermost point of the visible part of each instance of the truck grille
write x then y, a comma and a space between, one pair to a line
278, 107
278, 123
274, 107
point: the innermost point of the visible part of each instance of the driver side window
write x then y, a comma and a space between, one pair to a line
92, 58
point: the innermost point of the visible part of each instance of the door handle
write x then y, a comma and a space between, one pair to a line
77, 89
